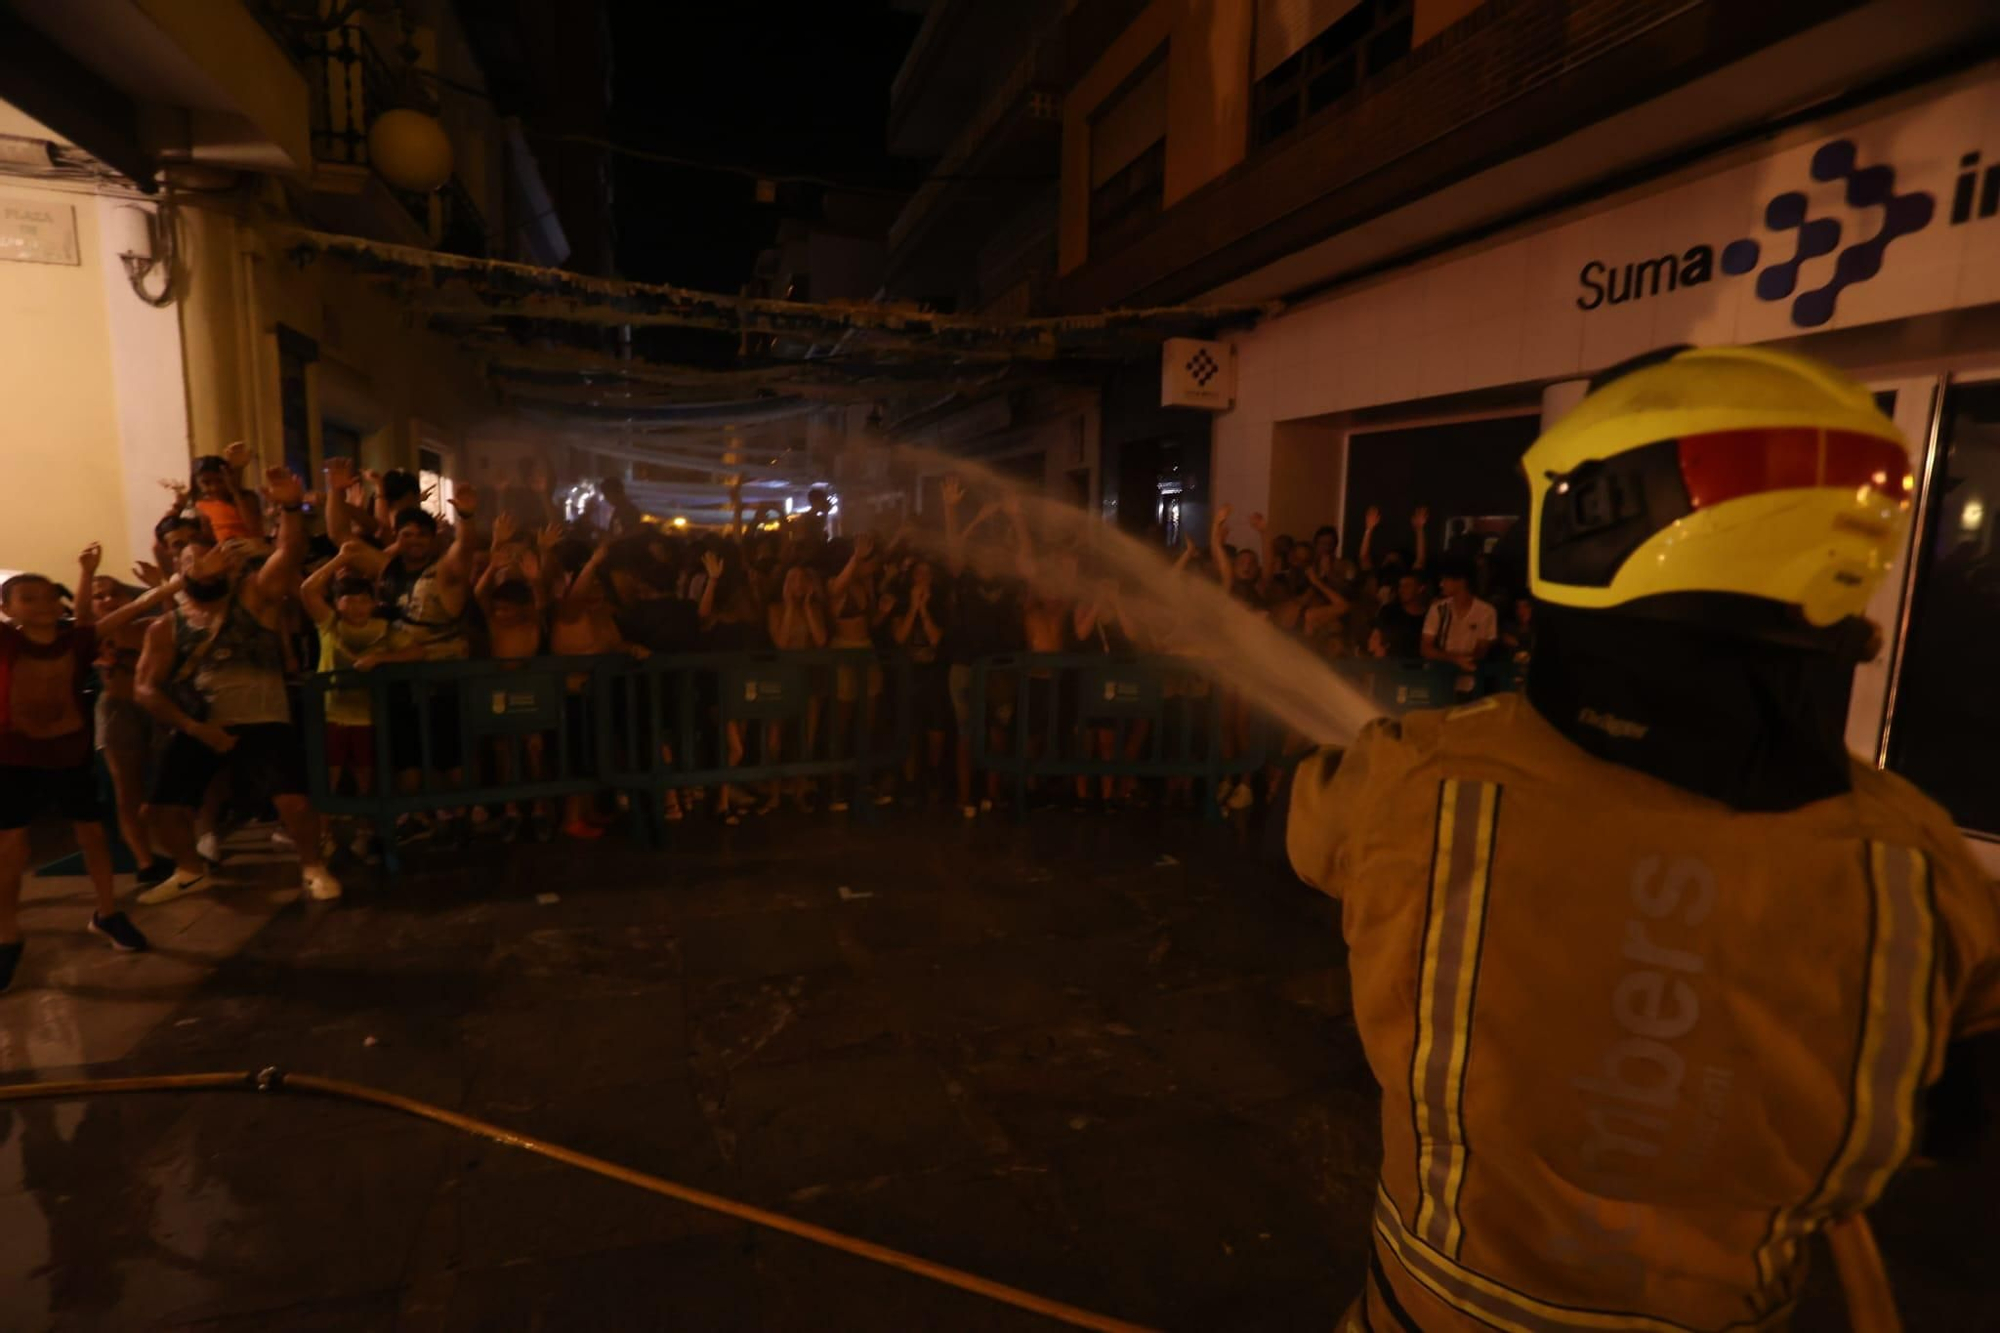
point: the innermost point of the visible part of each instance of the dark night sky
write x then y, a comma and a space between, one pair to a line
799, 87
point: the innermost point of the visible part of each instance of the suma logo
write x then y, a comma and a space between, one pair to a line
1871, 188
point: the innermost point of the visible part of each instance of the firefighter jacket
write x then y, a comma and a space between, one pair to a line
1634, 1047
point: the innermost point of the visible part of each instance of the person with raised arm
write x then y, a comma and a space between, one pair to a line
919, 629
124, 730
45, 751
986, 623
797, 624
213, 673
430, 592
854, 613
584, 624
1048, 624
227, 508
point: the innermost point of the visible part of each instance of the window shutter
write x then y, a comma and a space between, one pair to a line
1285, 26
1129, 125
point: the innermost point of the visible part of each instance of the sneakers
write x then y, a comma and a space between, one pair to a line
208, 847
150, 875
173, 886
118, 929
320, 884
283, 840
10, 958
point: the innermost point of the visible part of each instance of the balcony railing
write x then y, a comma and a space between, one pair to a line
352, 82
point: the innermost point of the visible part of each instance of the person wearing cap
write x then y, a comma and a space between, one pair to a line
1652, 974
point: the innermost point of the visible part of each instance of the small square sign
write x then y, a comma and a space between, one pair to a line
1197, 373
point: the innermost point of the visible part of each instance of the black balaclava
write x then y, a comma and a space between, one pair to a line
1759, 725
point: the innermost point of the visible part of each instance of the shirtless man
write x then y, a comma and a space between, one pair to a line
584, 625
45, 746
214, 673
510, 597
1048, 622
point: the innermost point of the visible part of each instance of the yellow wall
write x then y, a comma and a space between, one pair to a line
219, 399
379, 369
1208, 103
58, 415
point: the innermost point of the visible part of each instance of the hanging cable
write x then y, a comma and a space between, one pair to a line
731, 169
782, 178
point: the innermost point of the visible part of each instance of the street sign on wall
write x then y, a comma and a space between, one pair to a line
34, 231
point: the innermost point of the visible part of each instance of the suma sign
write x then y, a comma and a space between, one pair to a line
1867, 206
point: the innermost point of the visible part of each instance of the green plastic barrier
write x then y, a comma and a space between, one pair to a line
1060, 700
675, 716
1405, 684
609, 723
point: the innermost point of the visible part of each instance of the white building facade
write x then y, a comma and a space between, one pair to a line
1869, 238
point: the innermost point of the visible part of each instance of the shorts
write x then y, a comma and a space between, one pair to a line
123, 727
847, 683
350, 747
268, 759
27, 792
406, 748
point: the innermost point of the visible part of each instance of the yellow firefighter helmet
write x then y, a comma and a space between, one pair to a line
1723, 470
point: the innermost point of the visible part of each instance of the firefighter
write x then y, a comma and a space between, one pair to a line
1651, 972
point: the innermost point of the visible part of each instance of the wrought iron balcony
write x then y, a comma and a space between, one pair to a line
352, 82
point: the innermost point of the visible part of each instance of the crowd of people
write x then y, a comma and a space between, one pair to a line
187, 680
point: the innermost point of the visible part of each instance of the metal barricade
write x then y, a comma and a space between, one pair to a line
1164, 716
841, 714
449, 735
1403, 684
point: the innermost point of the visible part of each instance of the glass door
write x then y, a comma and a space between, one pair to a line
1909, 403
1944, 728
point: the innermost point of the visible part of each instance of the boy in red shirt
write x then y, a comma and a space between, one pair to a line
45, 749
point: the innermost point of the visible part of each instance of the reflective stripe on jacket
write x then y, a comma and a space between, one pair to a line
1634, 1047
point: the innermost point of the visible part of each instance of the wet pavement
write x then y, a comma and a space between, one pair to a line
1105, 1060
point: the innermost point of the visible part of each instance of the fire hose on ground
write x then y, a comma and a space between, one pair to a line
1864, 1281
